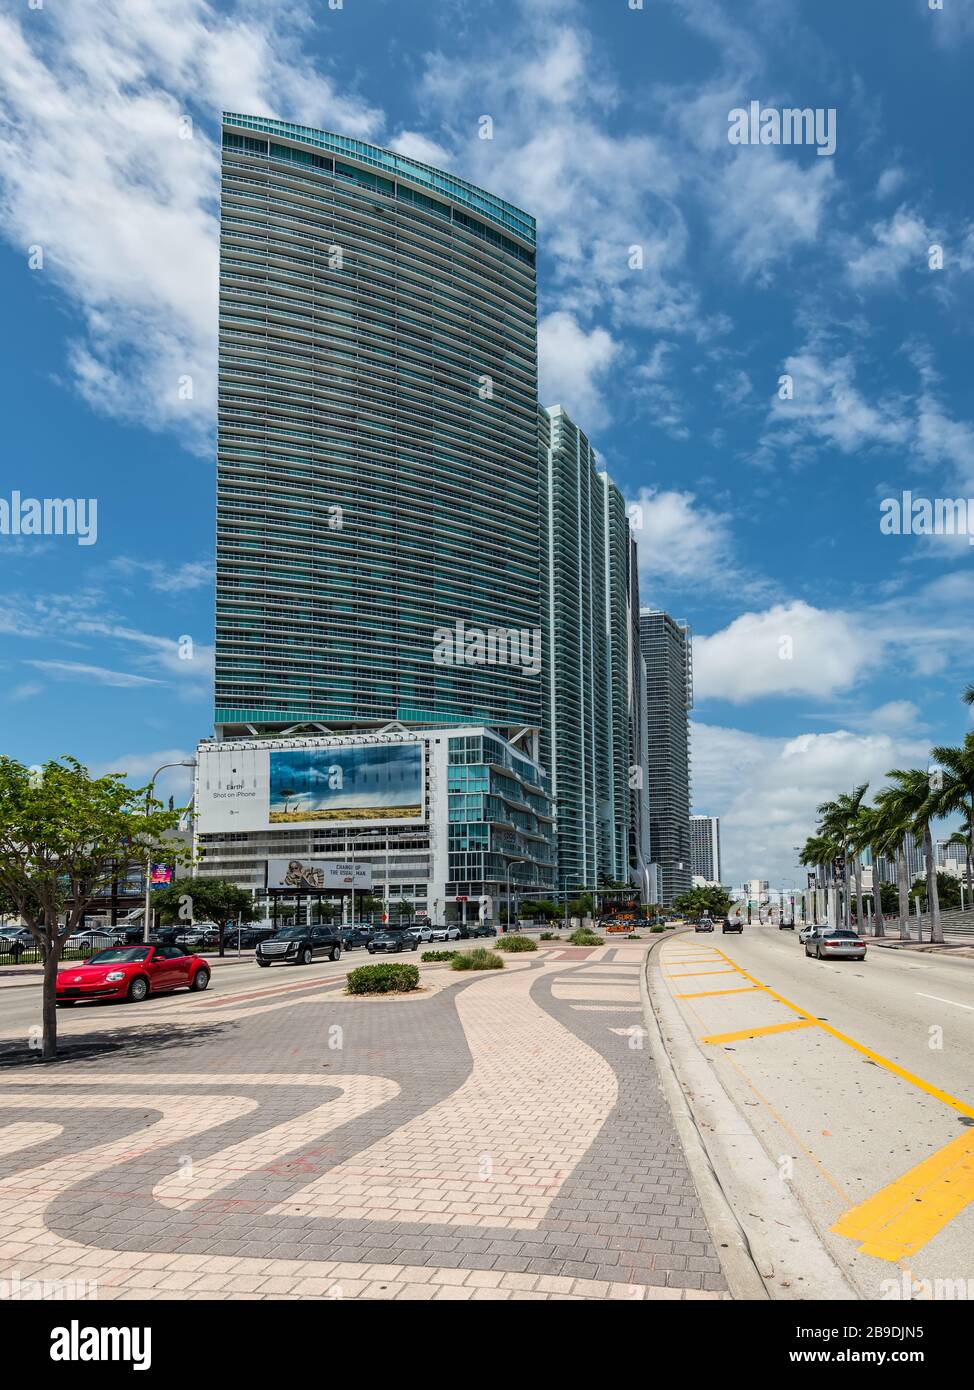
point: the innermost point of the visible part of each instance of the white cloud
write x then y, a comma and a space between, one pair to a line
415, 146
893, 246
572, 367
829, 406
681, 541
766, 790
169, 579
88, 675
789, 649
94, 172
890, 181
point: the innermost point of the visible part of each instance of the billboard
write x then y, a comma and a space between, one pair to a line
318, 875
341, 784
161, 875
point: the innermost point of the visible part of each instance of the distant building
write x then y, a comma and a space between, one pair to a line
705, 847
666, 650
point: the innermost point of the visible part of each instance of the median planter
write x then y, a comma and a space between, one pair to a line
480, 959
391, 978
438, 955
584, 938
515, 943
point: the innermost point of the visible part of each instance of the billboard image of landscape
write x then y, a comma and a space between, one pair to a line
347, 783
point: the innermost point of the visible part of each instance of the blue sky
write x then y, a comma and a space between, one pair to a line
760, 516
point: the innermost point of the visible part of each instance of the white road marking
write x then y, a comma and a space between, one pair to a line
940, 1000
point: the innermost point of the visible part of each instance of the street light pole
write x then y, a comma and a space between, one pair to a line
148, 853
510, 865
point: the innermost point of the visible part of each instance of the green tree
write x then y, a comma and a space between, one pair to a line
957, 791
918, 808
894, 812
963, 838
61, 830
948, 890
714, 900
839, 820
204, 900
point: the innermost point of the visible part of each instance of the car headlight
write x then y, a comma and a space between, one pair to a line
115, 975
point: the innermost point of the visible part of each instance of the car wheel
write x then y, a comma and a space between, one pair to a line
138, 990
263, 963
336, 953
306, 956
200, 980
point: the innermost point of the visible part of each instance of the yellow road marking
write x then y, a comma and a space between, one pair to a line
876, 1057
757, 1032
712, 993
900, 1218
685, 974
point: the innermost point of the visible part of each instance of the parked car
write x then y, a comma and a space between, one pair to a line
14, 941
705, 924
826, 943
483, 929
786, 926
249, 937
393, 941
445, 933
356, 936
805, 933
299, 946
132, 973
733, 924
422, 931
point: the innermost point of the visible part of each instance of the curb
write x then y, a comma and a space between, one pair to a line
730, 1240
773, 1251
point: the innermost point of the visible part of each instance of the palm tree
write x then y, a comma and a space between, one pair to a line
818, 853
893, 824
869, 832
839, 818
919, 805
957, 792
967, 695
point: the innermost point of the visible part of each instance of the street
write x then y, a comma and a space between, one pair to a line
856, 1077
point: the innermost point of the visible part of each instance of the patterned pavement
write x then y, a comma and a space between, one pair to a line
498, 1136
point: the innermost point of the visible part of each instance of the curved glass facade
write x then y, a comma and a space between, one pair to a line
378, 470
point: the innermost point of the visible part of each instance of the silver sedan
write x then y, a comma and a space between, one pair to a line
827, 944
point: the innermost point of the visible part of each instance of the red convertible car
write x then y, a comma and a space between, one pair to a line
131, 972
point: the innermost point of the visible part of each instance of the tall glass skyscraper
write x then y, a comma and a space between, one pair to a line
378, 475
592, 740
669, 697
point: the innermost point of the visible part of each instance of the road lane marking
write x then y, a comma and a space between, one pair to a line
712, 993
685, 974
902, 1217
940, 1000
757, 1032
867, 1052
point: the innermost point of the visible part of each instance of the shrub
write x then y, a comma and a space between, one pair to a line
388, 978
657, 928
584, 938
515, 943
479, 959
439, 955
549, 936
634, 936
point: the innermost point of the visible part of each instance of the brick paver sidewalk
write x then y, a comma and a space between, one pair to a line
501, 1136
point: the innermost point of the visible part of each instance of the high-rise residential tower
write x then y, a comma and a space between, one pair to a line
705, 847
667, 652
379, 528
592, 738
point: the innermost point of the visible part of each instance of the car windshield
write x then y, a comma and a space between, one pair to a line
124, 954
291, 933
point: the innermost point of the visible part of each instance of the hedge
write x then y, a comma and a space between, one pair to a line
382, 979
479, 959
584, 938
515, 943
439, 955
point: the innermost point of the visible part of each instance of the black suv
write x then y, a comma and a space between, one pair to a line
733, 924
356, 936
299, 946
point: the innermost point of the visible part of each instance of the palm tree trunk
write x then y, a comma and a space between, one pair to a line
903, 889
933, 896
879, 927
857, 875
